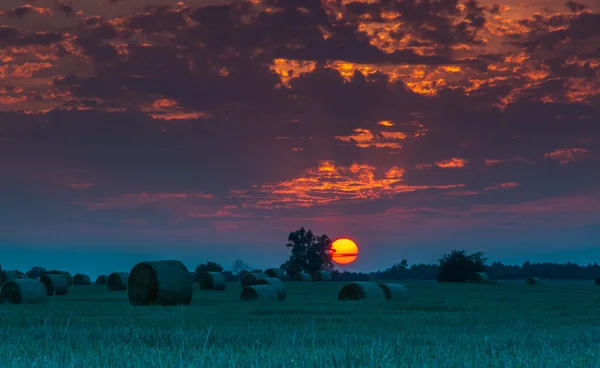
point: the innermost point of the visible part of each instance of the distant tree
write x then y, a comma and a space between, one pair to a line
36, 271
208, 267
229, 276
239, 266
457, 266
309, 253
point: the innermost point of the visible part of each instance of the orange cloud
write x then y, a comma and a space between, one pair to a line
567, 155
287, 69
451, 163
507, 185
365, 138
25, 70
169, 109
330, 183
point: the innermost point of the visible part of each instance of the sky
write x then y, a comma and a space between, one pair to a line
136, 130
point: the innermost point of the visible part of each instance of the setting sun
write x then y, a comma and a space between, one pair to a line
344, 251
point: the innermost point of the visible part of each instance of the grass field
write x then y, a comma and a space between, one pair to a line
444, 325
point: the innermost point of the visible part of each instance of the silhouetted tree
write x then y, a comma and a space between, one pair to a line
239, 266
229, 276
36, 271
310, 252
458, 266
207, 267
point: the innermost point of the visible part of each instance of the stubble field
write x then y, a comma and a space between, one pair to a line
508, 324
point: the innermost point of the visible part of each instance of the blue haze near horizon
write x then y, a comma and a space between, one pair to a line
97, 262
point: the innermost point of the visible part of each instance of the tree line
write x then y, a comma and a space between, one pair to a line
310, 252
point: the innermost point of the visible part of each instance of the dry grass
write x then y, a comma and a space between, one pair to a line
533, 281
81, 280
277, 284
361, 291
321, 276
507, 325
276, 273
395, 291
117, 281
55, 283
302, 276
160, 283
7, 275
101, 280
23, 291
66, 274
212, 281
265, 293
480, 277
252, 277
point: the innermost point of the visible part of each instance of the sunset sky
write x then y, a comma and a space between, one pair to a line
133, 130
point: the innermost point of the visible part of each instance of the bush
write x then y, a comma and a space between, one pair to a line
458, 266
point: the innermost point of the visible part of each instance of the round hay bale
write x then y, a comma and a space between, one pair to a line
321, 276
7, 276
480, 277
211, 281
275, 273
277, 284
65, 274
259, 292
250, 278
160, 283
598, 281
117, 281
55, 283
81, 279
533, 281
394, 291
23, 291
101, 280
302, 276
361, 291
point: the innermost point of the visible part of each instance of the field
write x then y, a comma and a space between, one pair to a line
445, 325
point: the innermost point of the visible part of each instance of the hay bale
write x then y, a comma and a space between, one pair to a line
394, 291
55, 283
81, 279
6, 275
211, 281
302, 276
533, 281
259, 292
101, 280
480, 277
275, 273
321, 276
361, 291
250, 279
159, 283
23, 291
277, 284
65, 274
598, 281
117, 281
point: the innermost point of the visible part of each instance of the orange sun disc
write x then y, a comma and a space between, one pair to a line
343, 251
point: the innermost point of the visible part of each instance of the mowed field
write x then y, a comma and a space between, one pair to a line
507, 324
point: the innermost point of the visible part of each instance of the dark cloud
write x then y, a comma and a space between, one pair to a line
294, 110
21, 11
575, 6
